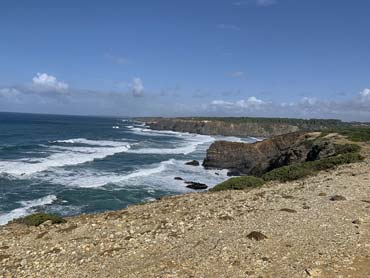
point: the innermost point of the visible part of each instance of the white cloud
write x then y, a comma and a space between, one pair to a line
261, 3
117, 59
365, 95
137, 87
249, 103
266, 3
230, 27
238, 74
308, 101
9, 92
222, 103
44, 82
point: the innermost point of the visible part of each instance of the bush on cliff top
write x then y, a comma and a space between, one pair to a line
346, 148
294, 172
355, 134
37, 219
239, 183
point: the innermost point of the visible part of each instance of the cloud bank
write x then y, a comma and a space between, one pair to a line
47, 94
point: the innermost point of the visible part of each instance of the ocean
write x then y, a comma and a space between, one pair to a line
71, 165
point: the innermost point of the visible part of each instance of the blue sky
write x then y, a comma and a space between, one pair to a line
294, 58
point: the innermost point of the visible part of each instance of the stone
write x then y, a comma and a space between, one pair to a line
337, 198
47, 223
288, 210
193, 163
178, 178
357, 222
196, 185
233, 173
257, 236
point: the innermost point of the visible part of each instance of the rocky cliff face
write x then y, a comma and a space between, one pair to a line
215, 127
258, 158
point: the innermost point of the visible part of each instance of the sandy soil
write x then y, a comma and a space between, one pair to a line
308, 233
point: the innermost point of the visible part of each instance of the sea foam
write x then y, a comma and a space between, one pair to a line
62, 156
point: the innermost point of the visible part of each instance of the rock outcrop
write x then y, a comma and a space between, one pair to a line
258, 158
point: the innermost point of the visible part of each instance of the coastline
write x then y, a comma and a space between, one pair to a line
317, 226
205, 234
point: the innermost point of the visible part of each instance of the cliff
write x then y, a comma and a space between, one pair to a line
239, 127
260, 157
216, 127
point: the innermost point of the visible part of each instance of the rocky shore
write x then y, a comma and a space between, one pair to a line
315, 227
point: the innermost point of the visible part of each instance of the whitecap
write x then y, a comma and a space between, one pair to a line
63, 156
103, 143
27, 208
92, 179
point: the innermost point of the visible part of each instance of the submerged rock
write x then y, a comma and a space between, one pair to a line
196, 185
193, 163
178, 178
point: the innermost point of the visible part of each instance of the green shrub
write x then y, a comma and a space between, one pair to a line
37, 219
294, 172
287, 173
239, 183
347, 148
355, 134
332, 162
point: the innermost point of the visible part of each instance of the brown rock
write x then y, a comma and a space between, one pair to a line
258, 236
288, 210
196, 185
337, 198
193, 163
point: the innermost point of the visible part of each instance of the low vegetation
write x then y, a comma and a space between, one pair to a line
37, 219
355, 134
301, 170
239, 183
347, 148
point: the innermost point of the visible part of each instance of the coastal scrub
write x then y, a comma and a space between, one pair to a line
37, 219
239, 183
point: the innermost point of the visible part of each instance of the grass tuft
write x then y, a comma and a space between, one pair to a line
37, 219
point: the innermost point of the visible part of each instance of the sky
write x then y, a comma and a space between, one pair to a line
272, 58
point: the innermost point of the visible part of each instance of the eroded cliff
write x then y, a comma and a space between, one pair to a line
260, 157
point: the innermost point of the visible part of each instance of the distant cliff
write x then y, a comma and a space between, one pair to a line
239, 127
